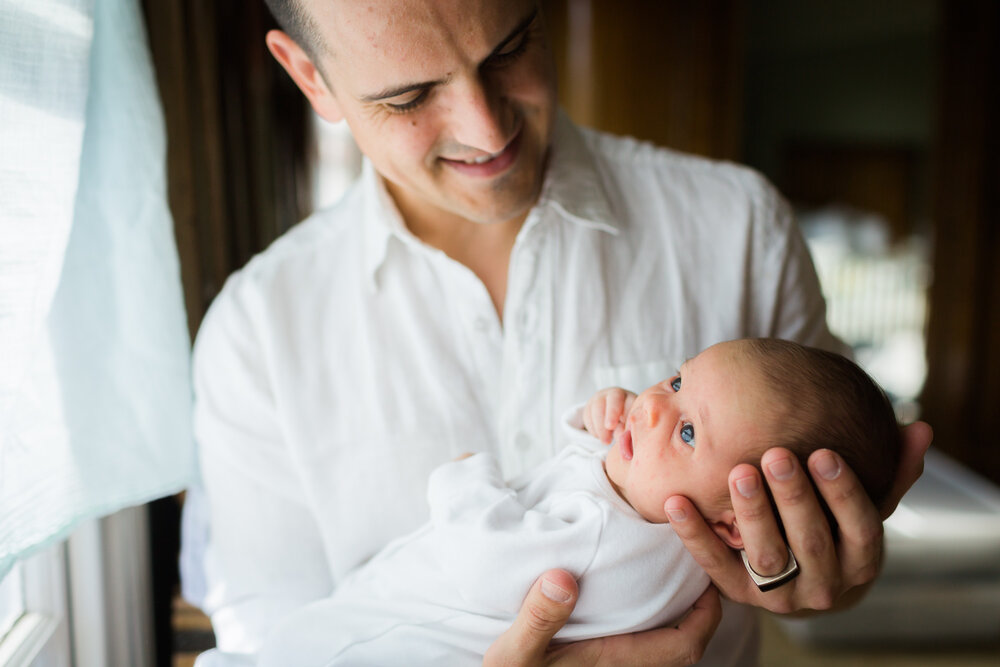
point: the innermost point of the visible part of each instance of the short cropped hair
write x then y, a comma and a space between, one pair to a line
825, 401
295, 20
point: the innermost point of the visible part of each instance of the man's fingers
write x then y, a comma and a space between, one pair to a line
755, 519
917, 438
683, 645
545, 610
700, 624
859, 524
713, 555
664, 647
806, 528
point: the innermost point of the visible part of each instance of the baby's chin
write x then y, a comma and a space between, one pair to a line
613, 473
615, 466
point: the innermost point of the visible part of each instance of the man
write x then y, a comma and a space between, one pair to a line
482, 276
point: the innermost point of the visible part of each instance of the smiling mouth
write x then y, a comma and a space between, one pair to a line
489, 164
483, 159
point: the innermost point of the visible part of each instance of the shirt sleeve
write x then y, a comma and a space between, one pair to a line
793, 295
482, 529
264, 556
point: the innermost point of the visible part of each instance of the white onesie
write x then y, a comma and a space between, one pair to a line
444, 593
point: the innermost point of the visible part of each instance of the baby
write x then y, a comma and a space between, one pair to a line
442, 594
730, 404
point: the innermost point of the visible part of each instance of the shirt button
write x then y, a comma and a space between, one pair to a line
522, 442
528, 318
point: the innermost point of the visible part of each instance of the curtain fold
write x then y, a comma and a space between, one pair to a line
94, 379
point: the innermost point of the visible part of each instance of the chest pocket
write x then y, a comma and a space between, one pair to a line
636, 377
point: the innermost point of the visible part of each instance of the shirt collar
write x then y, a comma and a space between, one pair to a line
573, 187
381, 219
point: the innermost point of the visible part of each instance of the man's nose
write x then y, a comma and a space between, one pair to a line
481, 119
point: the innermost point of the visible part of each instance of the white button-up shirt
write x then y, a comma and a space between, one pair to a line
345, 362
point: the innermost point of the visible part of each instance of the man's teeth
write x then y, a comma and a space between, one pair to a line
481, 159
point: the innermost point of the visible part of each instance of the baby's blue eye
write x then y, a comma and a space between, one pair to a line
687, 434
675, 384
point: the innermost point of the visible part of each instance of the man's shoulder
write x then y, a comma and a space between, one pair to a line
650, 185
640, 161
324, 237
294, 266
324, 241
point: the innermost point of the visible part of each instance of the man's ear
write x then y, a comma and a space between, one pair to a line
304, 73
727, 530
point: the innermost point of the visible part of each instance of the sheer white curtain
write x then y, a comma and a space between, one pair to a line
94, 351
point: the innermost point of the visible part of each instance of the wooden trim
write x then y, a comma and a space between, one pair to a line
669, 71
962, 393
238, 138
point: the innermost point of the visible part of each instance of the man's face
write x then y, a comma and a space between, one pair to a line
453, 101
685, 434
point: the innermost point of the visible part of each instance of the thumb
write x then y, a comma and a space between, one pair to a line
917, 439
543, 613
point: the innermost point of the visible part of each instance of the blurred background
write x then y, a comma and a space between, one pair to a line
875, 119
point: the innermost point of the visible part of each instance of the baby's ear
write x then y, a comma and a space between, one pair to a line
727, 530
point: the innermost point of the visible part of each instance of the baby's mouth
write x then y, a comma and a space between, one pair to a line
625, 445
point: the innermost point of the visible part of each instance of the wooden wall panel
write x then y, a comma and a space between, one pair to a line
237, 169
962, 393
238, 138
669, 71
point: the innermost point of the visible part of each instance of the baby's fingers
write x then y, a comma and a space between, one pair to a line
614, 409
615, 416
593, 419
629, 400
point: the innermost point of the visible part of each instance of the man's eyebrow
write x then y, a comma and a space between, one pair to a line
518, 29
389, 93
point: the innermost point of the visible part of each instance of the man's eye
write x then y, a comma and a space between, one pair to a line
675, 384
403, 107
511, 54
687, 434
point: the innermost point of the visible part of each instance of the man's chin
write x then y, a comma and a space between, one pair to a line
491, 212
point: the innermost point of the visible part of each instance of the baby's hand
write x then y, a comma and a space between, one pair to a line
605, 413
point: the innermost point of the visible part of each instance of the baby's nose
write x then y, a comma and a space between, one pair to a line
648, 412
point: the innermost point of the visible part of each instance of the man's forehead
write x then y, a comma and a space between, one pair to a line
405, 31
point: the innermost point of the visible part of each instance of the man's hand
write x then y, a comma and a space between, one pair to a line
828, 569
547, 608
605, 413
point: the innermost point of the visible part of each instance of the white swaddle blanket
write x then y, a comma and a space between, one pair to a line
444, 593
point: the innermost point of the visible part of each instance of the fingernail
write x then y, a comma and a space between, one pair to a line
781, 469
827, 466
677, 514
747, 486
554, 592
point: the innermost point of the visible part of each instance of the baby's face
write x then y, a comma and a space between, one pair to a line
685, 434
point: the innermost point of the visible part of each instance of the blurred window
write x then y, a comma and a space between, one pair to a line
11, 600
876, 292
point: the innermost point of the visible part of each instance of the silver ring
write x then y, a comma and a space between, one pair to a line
769, 583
